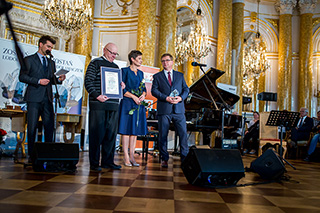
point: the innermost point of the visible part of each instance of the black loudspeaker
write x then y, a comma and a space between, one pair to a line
51, 157
268, 165
246, 100
267, 96
213, 167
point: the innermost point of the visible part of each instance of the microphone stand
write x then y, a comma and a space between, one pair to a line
223, 102
57, 97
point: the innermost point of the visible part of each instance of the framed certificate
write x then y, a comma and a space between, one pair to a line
110, 82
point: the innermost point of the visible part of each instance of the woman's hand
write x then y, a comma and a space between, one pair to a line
136, 100
142, 97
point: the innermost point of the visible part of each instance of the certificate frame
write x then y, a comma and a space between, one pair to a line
111, 79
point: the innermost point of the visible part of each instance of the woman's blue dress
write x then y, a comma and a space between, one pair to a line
128, 123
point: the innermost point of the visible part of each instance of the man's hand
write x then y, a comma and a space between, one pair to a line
123, 85
173, 100
44, 82
176, 99
62, 77
102, 98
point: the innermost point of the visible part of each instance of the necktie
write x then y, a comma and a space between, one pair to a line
44, 63
169, 78
300, 123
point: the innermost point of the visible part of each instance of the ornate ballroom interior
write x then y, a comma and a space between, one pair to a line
288, 35
289, 30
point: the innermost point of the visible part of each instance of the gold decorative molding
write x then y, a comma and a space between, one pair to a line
315, 22
253, 16
274, 23
16, 4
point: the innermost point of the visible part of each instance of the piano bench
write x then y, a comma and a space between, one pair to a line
152, 135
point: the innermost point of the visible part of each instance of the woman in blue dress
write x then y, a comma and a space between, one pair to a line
132, 117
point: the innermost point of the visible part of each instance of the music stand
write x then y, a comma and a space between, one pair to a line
282, 119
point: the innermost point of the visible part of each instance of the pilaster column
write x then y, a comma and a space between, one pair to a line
190, 72
167, 28
285, 53
224, 40
237, 46
305, 53
261, 88
83, 46
146, 30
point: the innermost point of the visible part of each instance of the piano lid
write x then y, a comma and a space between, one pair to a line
200, 97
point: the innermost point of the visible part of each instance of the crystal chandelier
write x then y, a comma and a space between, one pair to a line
196, 44
67, 16
254, 59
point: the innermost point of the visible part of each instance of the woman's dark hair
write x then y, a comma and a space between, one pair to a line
256, 112
133, 54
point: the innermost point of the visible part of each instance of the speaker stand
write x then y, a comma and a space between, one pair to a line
280, 149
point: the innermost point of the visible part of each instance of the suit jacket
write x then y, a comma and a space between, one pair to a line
31, 76
161, 89
303, 132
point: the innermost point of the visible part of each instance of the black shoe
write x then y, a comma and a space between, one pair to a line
164, 164
307, 158
95, 168
111, 166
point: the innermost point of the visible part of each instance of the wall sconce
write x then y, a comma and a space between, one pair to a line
124, 4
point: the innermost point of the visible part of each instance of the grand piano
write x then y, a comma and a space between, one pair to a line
204, 107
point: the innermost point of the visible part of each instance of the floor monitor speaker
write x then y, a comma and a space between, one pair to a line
213, 167
55, 157
268, 165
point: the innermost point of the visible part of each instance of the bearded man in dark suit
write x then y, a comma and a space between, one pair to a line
38, 74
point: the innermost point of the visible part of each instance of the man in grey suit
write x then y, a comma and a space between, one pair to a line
38, 74
170, 88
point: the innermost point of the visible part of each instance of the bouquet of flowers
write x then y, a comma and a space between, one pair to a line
2, 134
138, 92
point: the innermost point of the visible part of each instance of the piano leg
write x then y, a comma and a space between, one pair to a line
206, 137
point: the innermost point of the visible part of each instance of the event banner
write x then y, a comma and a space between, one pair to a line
148, 77
12, 91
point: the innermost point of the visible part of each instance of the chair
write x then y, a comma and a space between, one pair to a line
269, 134
304, 144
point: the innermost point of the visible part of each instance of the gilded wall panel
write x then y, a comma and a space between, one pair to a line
146, 30
224, 40
237, 45
305, 61
285, 61
167, 29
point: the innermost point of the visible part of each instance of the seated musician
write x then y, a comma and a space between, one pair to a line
315, 139
300, 132
253, 134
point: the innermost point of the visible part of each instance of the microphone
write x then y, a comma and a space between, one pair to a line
197, 64
48, 52
189, 97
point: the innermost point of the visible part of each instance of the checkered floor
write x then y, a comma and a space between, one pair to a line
150, 188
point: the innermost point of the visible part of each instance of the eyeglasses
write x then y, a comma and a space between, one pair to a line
167, 60
112, 53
